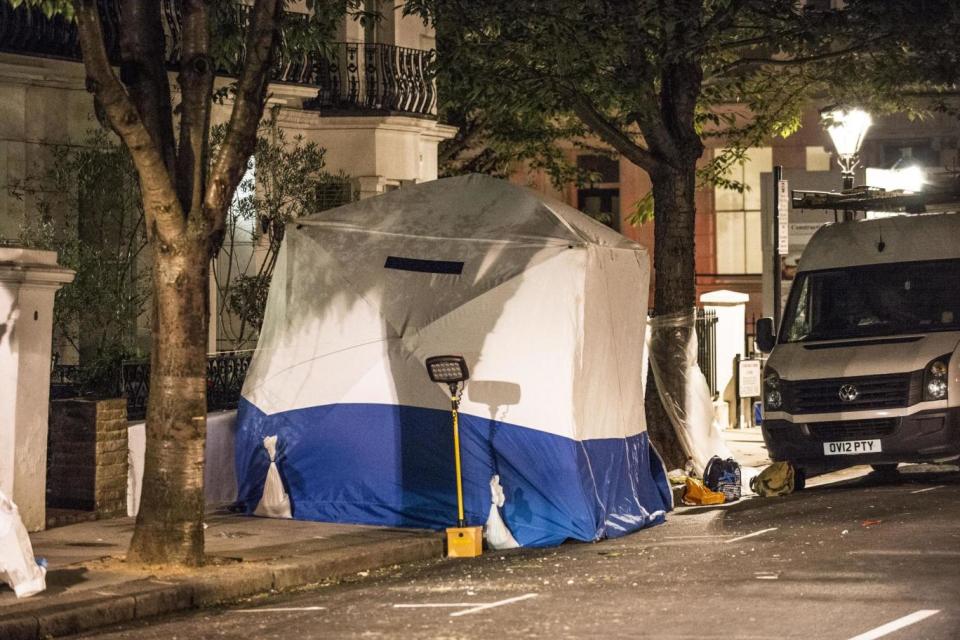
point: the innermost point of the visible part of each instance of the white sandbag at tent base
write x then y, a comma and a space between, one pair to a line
547, 306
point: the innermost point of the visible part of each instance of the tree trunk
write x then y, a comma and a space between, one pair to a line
170, 523
674, 291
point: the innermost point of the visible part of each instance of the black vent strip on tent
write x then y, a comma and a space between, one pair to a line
423, 266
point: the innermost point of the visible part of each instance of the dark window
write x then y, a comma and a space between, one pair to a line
604, 168
905, 153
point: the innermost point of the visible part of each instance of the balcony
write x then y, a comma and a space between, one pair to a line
350, 78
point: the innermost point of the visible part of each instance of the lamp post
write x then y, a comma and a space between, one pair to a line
847, 129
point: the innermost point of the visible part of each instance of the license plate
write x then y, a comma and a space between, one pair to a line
851, 447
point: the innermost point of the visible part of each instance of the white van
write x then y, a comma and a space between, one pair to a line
865, 368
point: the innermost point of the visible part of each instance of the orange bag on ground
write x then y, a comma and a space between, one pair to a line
696, 493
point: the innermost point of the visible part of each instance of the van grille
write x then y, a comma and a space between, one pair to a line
852, 429
873, 392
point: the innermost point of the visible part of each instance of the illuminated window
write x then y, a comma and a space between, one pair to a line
738, 215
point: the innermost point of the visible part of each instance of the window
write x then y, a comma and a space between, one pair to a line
887, 299
738, 215
905, 153
600, 199
818, 159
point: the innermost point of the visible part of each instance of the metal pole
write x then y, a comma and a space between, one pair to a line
461, 522
777, 177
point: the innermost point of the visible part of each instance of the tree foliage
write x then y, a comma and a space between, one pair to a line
286, 179
89, 210
652, 80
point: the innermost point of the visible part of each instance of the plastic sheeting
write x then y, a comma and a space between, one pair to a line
17, 565
677, 374
547, 306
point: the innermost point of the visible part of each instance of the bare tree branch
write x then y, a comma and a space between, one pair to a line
143, 71
248, 107
164, 215
196, 84
613, 134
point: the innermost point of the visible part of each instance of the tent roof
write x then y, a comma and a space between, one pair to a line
485, 208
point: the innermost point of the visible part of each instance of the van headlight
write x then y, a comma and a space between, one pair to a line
935, 378
772, 396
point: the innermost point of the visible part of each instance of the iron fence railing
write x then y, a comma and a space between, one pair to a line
375, 77
706, 328
226, 372
353, 77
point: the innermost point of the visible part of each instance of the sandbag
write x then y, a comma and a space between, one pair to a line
274, 503
496, 531
17, 565
779, 479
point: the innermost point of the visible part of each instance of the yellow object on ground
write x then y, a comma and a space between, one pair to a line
696, 493
464, 542
779, 479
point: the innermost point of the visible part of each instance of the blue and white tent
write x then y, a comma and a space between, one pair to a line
547, 306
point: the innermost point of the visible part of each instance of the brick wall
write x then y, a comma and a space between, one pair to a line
87, 456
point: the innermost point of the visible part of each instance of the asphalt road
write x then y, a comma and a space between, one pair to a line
856, 558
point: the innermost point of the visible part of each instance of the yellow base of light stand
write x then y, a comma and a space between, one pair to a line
464, 542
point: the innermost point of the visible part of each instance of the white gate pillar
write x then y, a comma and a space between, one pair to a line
28, 281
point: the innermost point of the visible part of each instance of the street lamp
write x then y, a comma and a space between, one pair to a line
847, 129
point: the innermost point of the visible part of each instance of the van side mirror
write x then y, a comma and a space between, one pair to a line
765, 338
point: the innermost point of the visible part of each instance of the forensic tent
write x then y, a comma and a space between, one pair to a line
547, 306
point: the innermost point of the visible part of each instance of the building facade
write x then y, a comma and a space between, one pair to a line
366, 99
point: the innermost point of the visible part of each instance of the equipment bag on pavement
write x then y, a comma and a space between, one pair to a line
697, 494
779, 479
723, 476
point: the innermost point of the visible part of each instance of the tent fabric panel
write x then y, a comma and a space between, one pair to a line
497, 210
608, 397
509, 337
393, 466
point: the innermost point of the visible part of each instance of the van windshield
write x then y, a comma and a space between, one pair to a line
877, 300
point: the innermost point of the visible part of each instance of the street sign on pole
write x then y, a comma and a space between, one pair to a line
749, 378
783, 208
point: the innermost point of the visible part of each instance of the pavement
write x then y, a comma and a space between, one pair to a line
90, 586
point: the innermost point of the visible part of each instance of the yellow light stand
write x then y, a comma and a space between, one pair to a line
462, 541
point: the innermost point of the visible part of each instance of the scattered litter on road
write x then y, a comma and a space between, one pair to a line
869, 523
844, 532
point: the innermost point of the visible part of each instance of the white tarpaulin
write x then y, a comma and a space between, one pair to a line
547, 306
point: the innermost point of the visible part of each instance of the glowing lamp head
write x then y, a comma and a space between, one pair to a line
847, 129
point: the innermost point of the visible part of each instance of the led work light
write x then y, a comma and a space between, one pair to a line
462, 541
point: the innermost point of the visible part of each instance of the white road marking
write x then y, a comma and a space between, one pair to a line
279, 609
897, 624
905, 552
494, 604
468, 607
939, 486
750, 535
459, 605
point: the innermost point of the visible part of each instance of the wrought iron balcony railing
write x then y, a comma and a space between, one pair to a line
355, 78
